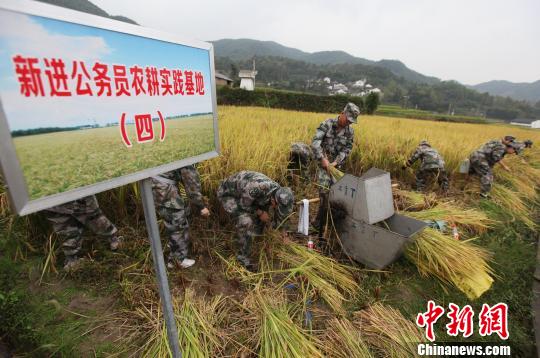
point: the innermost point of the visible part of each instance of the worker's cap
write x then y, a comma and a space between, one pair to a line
424, 142
509, 138
352, 111
528, 143
285, 200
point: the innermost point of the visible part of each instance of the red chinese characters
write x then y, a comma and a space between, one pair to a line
144, 128
101, 79
81, 76
29, 76
494, 320
165, 82
137, 84
121, 81
143, 125
103, 82
460, 320
56, 74
190, 89
199, 83
152, 81
178, 82
429, 318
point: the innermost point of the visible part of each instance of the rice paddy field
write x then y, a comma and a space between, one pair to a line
301, 302
57, 162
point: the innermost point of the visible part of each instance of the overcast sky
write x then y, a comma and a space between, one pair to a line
470, 41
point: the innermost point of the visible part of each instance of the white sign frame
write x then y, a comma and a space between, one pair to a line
9, 163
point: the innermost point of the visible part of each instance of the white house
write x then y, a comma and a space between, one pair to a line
526, 122
247, 79
340, 86
359, 83
326, 79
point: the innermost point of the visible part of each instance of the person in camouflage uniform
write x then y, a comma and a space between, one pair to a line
174, 211
299, 159
331, 145
69, 221
247, 197
431, 166
484, 158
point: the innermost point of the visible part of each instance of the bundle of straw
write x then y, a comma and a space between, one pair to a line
343, 340
196, 321
513, 203
472, 219
278, 335
412, 200
459, 263
322, 273
335, 172
389, 331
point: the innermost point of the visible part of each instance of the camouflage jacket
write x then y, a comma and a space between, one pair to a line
251, 190
189, 178
493, 152
333, 142
86, 205
302, 150
430, 158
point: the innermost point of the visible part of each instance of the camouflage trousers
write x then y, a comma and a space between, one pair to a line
426, 176
174, 212
69, 224
480, 166
325, 181
248, 225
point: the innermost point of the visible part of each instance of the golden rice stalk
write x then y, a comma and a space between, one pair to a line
335, 172
389, 331
413, 200
472, 219
512, 202
322, 273
459, 263
196, 321
278, 335
343, 340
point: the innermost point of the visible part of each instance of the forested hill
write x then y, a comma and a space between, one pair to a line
245, 49
520, 91
88, 7
442, 96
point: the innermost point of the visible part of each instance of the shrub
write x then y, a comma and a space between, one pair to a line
297, 101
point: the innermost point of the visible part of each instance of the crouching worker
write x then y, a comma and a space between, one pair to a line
431, 166
247, 198
174, 211
484, 158
299, 159
69, 221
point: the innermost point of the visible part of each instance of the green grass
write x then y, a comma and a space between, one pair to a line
397, 111
57, 162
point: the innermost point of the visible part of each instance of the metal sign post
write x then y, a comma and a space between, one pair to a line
159, 264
